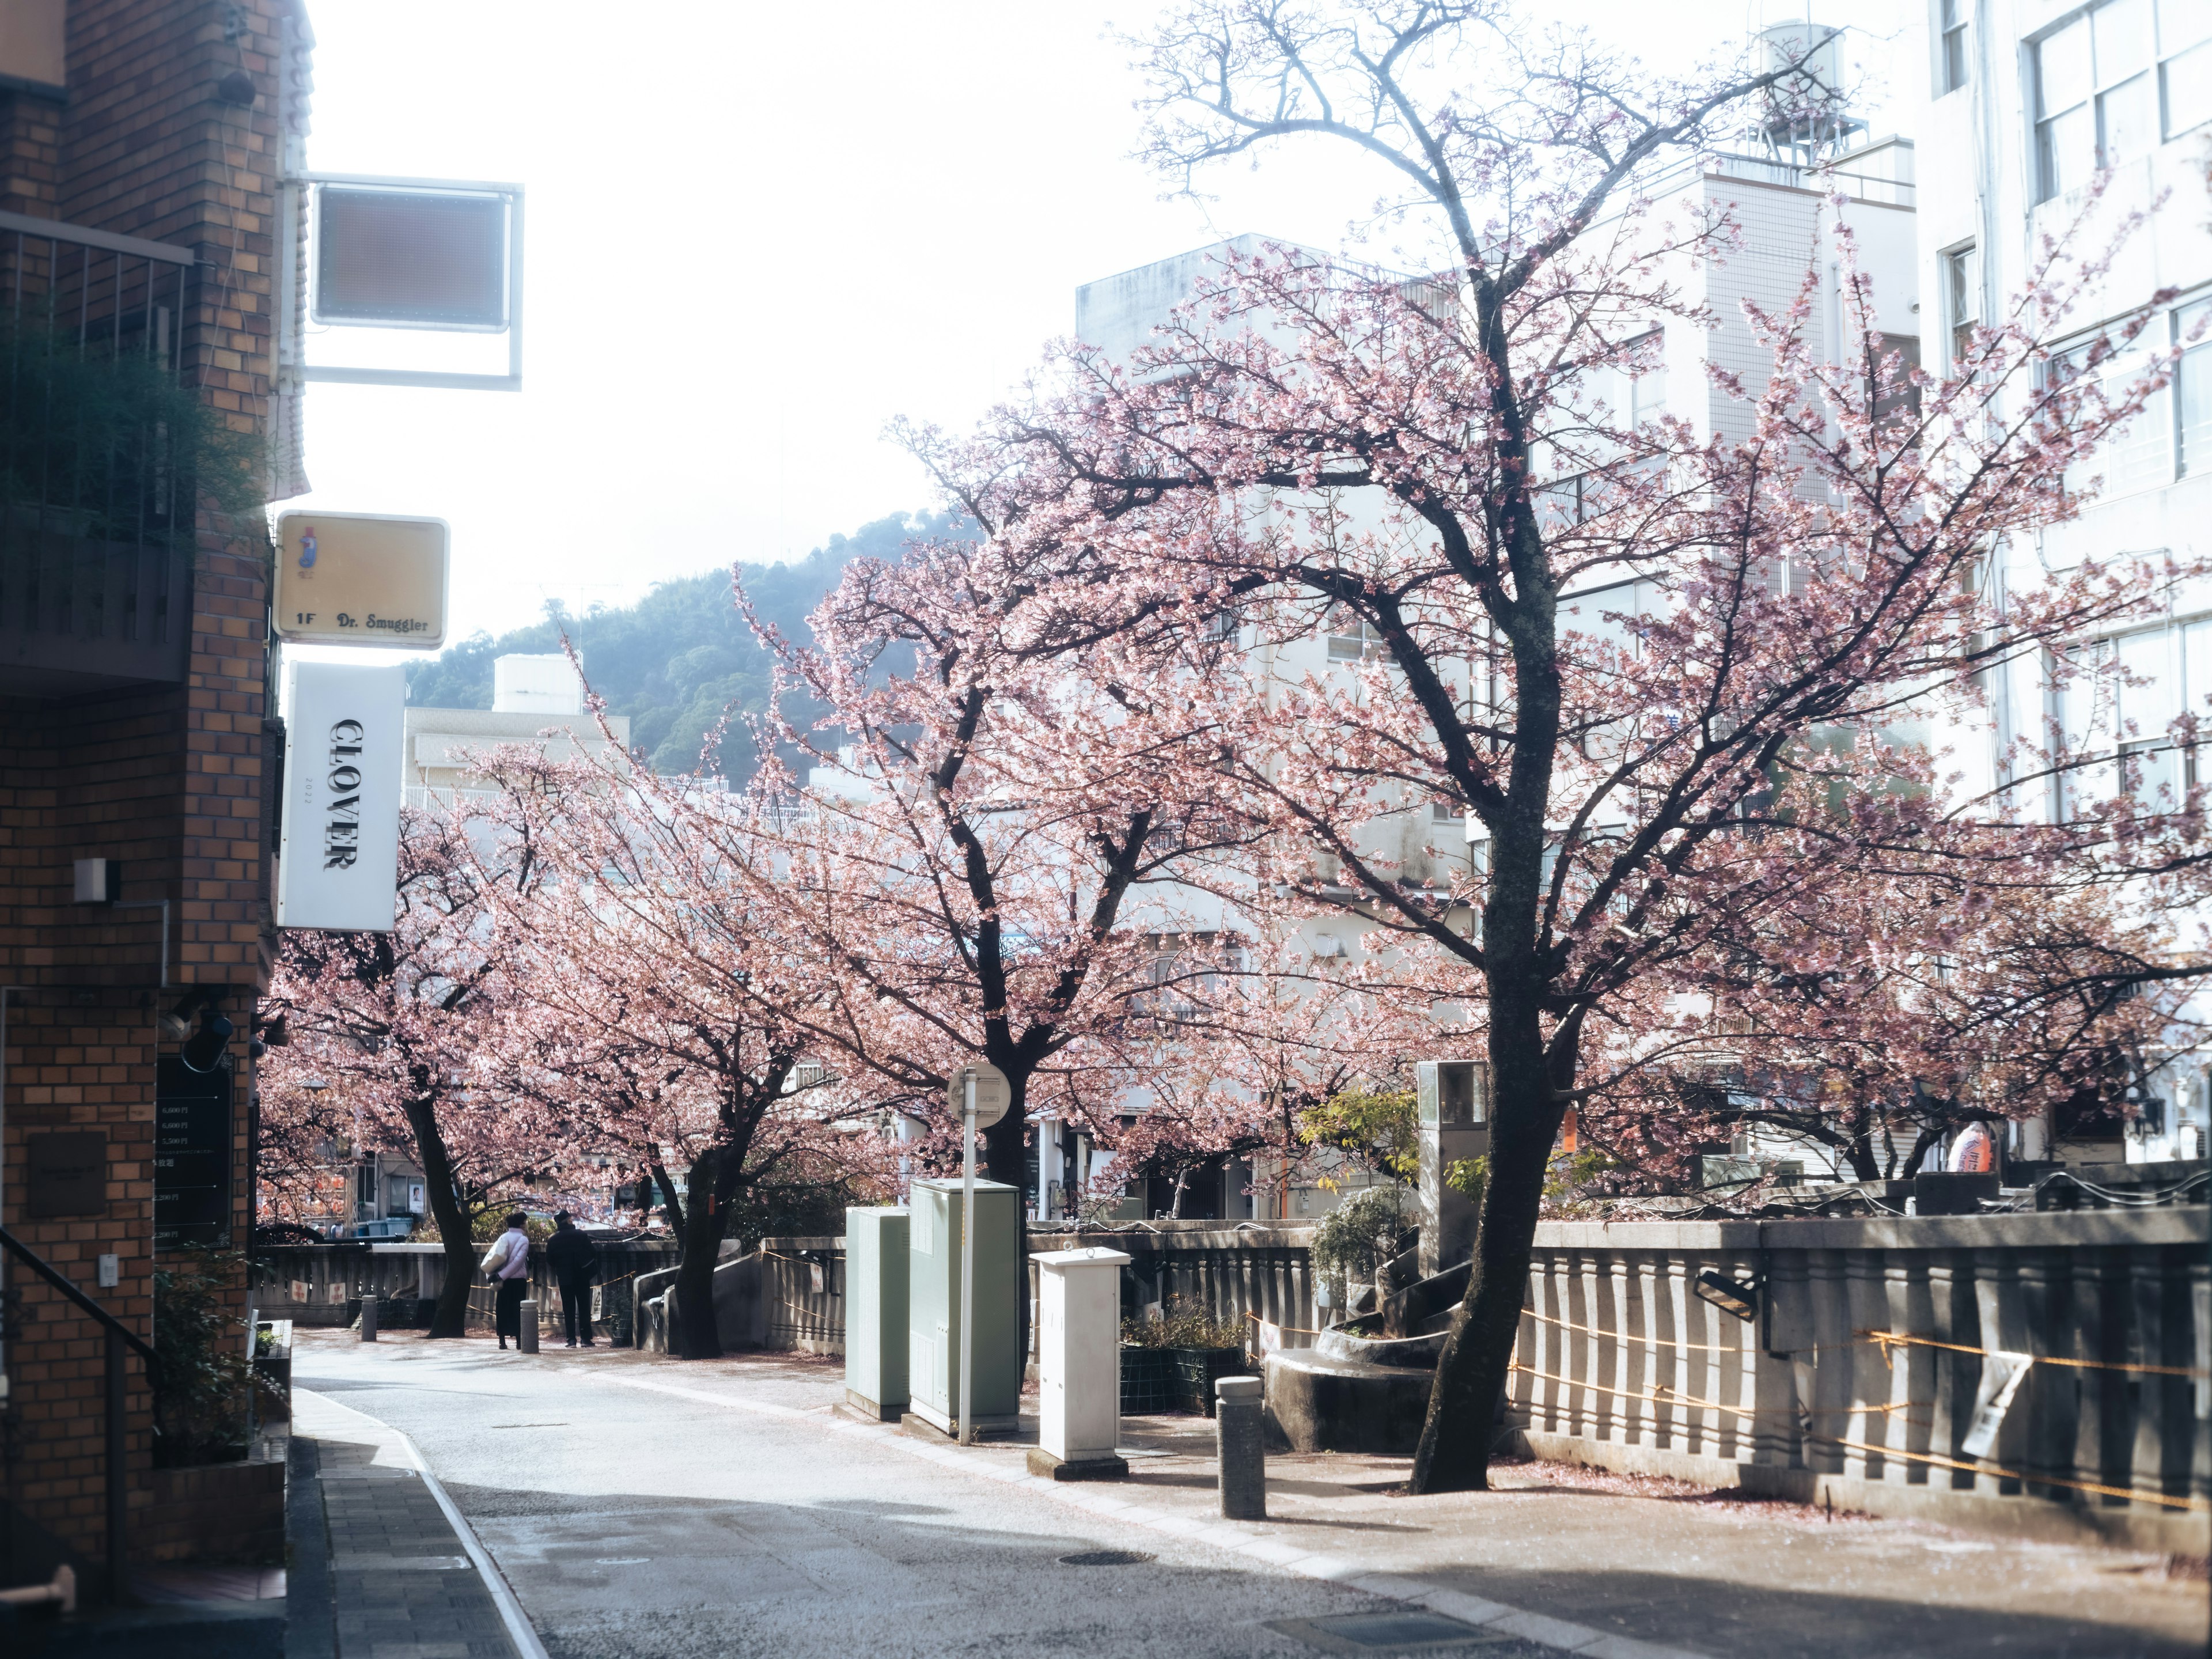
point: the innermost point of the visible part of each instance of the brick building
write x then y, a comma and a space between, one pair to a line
141, 146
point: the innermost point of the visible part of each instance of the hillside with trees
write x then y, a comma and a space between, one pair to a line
677, 658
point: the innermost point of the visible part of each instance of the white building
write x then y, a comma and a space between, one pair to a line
2026, 100
531, 698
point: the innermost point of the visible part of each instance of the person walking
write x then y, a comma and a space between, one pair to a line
575, 1263
508, 1263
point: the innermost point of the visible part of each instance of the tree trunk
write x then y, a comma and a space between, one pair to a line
714, 1180
1471, 1372
1860, 1151
450, 1317
667, 1183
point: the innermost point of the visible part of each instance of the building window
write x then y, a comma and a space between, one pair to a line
1647, 387
2185, 45
2172, 436
1352, 639
1955, 20
1962, 300
2117, 727
2192, 389
2114, 81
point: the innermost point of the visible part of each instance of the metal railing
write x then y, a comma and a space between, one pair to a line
97, 529
115, 1463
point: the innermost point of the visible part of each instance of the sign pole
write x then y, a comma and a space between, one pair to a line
968, 1259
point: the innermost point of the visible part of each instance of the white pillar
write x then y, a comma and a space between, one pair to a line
1080, 1365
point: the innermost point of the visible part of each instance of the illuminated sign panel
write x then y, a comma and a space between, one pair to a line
410, 258
337, 865
357, 579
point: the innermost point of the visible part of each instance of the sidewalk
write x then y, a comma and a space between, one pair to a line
378, 1570
1580, 1560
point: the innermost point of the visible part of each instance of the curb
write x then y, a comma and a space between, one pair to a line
1236, 1537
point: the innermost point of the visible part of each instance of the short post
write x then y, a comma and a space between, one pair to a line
526, 1333
1236, 1415
368, 1316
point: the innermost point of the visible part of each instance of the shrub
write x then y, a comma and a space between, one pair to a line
201, 1396
1184, 1327
1353, 1237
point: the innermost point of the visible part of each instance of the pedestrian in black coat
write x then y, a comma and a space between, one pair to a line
574, 1260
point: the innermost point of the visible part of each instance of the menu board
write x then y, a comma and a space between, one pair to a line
192, 1153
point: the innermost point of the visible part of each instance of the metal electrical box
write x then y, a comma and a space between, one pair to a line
876, 1311
934, 1312
1454, 1097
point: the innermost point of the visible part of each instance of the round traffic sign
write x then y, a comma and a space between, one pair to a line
993, 1094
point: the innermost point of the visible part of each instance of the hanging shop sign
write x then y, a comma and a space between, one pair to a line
360, 579
338, 866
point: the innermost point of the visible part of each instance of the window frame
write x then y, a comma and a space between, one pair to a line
1954, 64
1962, 286
2097, 90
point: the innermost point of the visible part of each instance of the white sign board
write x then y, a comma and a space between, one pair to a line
993, 1092
338, 861
360, 579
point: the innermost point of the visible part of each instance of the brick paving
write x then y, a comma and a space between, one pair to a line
401, 1585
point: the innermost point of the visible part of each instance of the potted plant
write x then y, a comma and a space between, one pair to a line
1171, 1364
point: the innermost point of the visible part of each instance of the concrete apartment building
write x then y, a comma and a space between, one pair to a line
141, 142
2026, 101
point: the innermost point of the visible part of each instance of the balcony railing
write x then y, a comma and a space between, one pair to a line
100, 445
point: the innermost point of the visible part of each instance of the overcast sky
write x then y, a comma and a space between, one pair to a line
756, 234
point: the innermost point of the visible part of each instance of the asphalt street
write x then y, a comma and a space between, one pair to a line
652, 1512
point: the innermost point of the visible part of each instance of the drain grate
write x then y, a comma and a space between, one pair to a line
1104, 1559
1413, 1630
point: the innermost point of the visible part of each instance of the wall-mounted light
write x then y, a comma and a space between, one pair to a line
203, 1050
99, 881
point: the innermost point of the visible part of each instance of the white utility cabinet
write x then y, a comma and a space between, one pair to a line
1079, 1363
876, 1311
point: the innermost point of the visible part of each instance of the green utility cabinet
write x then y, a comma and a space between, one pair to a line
876, 1311
933, 1306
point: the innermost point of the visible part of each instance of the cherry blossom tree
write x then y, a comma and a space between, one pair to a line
983, 858
1437, 463
386, 1034
678, 1002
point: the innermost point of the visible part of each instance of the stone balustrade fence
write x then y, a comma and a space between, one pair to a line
336, 1274
1857, 1379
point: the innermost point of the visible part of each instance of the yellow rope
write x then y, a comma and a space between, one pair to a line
1885, 1339
1623, 1336
1295, 1330
1889, 1339
1664, 1395
2135, 1492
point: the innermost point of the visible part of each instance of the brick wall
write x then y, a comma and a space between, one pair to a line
156, 139
30, 152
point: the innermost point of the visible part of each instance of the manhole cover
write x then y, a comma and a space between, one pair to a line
1104, 1559
1385, 1632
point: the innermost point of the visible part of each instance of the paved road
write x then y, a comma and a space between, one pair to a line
638, 1523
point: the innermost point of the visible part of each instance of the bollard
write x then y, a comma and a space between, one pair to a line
368, 1319
1236, 1422
526, 1332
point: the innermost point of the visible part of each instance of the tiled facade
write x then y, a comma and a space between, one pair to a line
155, 134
